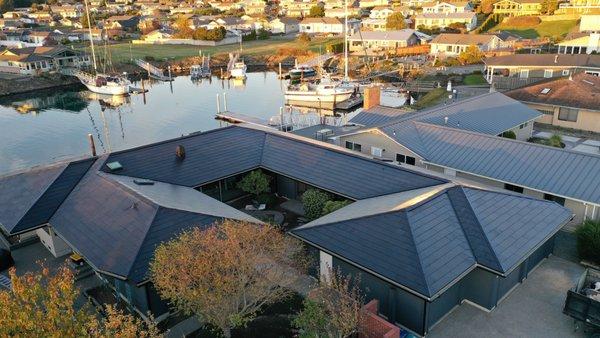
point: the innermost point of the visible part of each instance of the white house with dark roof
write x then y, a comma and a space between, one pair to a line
383, 40
443, 20
446, 44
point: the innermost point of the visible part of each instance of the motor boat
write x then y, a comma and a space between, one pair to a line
302, 72
325, 91
238, 71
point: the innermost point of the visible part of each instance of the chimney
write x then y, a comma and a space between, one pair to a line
556, 58
371, 97
180, 152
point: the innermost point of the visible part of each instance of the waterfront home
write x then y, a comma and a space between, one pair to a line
578, 7
443, 20
447, 7
36, 60
388, 40
446, 44
321, 26
463, 139
569, 102
513, 71
581, 44
114, 210
284, 25
518, 7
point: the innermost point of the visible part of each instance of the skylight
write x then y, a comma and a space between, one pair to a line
545, 91
113, 166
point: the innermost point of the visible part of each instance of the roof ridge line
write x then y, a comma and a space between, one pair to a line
479, 226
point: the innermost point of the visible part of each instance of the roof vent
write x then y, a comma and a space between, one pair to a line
445, 119
180, 152
545, 91
143, 182
114, 166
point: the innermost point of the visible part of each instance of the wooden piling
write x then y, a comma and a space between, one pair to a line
92, 144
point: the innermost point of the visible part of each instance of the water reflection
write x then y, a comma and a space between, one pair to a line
47, 126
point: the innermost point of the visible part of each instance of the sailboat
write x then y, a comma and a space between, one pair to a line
101, 83
326, 91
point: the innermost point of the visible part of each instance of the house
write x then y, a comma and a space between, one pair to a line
443, 236
584, 44
67, 11
462, 140
590, 23
321, 26
518, 7
578, 7
121, 25
340, 13
369, 24
297, 9
254, 6
380, 12
36, 60
453, 44
443, 20
383, 40
373, 3
513, 71
447, 7
568, 102
284, 25
229, 22
40, 38
226, 5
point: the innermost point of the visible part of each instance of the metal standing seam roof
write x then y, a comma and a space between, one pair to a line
377, 115
556, 171
224, 152
428, 246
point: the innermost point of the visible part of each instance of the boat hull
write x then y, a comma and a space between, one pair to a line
108, 90
310, 96
297, 75
238, 73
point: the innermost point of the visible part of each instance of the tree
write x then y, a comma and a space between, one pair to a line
549, 6
182, 25
333, 309
487, 6
303, 38
6, 5
395, 21
226, 273
331, 206
316, 11
84, 21
588, 241
313, 201
509, 134
43, 305
255, 183
471, 55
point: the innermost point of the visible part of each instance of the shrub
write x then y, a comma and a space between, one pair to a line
331, 206
313, 201
316, 11
255, 183
335, 47
303, 37
523, 21
263, 34
588, 241
265, 198
555, 141
509, 134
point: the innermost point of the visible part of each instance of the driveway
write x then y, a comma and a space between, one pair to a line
533, 309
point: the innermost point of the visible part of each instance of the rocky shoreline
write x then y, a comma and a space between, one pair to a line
27, 84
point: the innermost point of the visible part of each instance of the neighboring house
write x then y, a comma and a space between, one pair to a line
570, 102
36, 60
453, 44
340, 13
586, 44
373, 3
226, 5
437, 236
284, 25
321, 26
578, 7
124, 23
229, 22
383, 40
461, 140
590, 23
518, 7
254, 6
448, 7
67, 11
369, 24
40, 38
513, 71
443, 20
380, 12
298, 9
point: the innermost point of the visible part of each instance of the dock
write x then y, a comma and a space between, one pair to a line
235, 118
153, 71
349, 104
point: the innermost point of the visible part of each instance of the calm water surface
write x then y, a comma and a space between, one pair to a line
46, 127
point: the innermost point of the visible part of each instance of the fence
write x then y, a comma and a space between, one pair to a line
413, 50
373, 326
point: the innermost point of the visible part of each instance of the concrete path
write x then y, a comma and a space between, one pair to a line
533, 309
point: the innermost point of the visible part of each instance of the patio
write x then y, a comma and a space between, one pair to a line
533, 309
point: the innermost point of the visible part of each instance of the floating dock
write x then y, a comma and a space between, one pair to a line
232, 117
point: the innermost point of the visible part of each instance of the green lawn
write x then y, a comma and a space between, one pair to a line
432, 98
474, 79
551, 29
124, 52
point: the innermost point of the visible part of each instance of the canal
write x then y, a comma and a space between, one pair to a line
50, 126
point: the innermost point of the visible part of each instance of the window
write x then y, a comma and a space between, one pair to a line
353, 146
400, 158
524, 73
556, 199
514, 188
546, 111
410, 160
523, 125
357, 147
378, 152
565, 72
548, 73
568, 114
349, 145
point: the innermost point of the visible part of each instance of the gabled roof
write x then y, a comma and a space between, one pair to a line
29, 199
117, 224
580, 91
463, 39
426, 245
545, 60
225, 152
391, 35
378, 115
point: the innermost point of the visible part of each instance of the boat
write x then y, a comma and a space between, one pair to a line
301, 72
107, 84
203, 70
238, 71
326, 92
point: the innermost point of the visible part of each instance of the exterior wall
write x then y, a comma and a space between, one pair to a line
359, 45
513, 8
524, 131
376, 139
315, 28
52, 242
442, 22
586, 119
326, 266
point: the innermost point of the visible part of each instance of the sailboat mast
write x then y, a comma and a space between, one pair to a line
87, 13
345, 39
